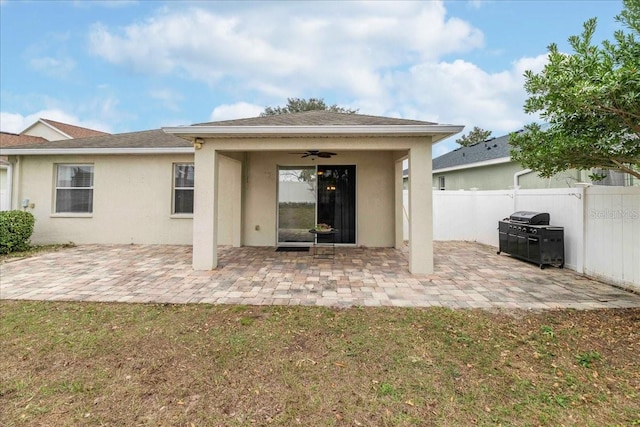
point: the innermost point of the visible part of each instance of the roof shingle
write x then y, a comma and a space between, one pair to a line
317, 118
74, 131
145, 139
12, 139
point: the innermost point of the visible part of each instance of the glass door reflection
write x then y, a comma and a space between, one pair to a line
296, 204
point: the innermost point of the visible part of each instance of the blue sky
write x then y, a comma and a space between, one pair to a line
121, 66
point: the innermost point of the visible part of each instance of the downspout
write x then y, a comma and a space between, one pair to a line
516, 177
10, 185
516, 185
16, 168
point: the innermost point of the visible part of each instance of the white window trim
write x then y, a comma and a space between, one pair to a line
175, 214
54, 213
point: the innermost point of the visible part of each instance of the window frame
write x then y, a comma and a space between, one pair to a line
56, 189
174, 188
441, 182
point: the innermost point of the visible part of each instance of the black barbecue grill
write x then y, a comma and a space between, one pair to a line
527, 235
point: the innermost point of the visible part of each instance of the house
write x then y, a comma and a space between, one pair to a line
260, 181
41, 131
488, 166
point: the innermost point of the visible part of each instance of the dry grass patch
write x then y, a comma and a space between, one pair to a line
181, 365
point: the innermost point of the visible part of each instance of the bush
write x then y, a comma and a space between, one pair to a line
16, 228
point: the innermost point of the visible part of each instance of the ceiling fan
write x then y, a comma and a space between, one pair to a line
315, 153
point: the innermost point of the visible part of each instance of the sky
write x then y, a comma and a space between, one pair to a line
122, 66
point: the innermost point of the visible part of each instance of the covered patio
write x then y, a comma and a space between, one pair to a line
238, 185
466, 275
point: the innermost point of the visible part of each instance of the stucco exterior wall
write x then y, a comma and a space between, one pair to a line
132, 200
500, 177
133, 195
375, 216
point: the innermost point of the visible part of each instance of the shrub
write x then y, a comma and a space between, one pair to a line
16, 228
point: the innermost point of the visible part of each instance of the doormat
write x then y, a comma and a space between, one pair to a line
292, 249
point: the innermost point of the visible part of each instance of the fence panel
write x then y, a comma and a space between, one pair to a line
601, 224
612, 234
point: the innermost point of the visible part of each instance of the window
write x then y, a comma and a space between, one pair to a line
441, 183
74, 189
183, 188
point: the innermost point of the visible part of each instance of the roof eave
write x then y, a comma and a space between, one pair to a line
497, 161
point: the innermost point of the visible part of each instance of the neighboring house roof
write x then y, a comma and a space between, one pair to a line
495, 150
74, 131
13, 139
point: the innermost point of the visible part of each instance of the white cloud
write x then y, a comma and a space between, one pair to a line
236, 111
288, 47
11, 122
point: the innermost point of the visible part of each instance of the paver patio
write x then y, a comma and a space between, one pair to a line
466, 275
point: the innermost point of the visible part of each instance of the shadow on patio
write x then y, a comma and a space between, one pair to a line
467, 275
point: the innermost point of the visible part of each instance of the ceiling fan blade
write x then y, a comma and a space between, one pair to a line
324, 155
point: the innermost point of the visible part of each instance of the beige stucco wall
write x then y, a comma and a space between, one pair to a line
375, 216
133, 195
500, 177
131, 200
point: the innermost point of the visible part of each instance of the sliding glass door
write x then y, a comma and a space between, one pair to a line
310, 195
296, 204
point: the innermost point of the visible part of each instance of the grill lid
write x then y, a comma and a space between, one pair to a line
531, 218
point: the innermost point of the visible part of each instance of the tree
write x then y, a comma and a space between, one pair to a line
474, 136
296, 105
591, 102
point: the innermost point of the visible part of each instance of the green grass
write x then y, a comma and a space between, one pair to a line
134, 364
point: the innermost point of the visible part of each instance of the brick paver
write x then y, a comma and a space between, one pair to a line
467, 275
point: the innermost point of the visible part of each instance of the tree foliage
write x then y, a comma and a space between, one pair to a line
296, 105
474, 136
591, 102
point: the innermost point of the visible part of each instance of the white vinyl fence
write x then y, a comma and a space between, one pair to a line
601, 224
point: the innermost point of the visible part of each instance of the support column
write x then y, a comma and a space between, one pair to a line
205, 208
420, 210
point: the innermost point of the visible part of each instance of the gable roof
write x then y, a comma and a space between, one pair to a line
313, 124
317, 118
495, 150
73, 131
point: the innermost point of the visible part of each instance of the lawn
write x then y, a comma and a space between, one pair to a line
200, 365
